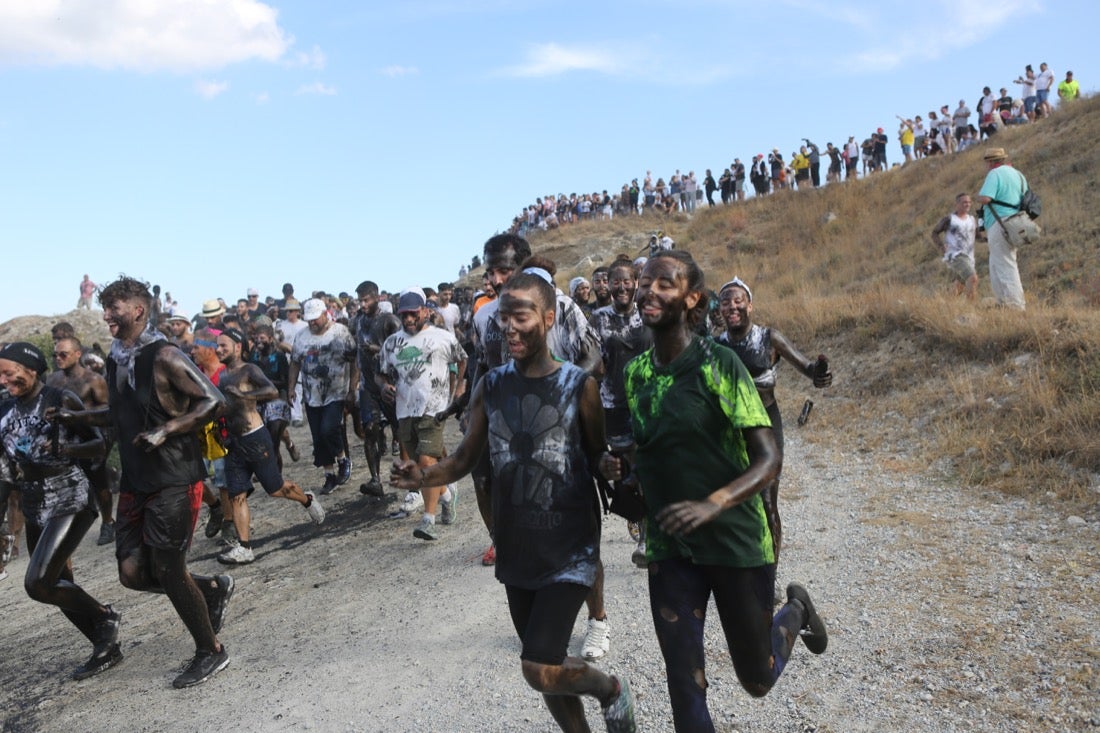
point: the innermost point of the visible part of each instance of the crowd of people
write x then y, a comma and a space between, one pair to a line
944, 132
558, 412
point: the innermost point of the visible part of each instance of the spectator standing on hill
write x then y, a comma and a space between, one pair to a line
867, 154
834, 163
1003, 188
1043, 82
801, 165
851, 158
961, 120
1027, 91
738, 170
947, 130
986, 105
725, 182
709, 186
87, 290
1004, 105
814, 157
759, 175
954, 236
1068, 89
881, 141
906, 136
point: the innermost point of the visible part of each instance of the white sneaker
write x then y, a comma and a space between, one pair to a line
316, 511
238, 555
412, 503
597, 641
447, 508
3, 574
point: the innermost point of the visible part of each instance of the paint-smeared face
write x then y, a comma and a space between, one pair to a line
65, 354
125, 318
227, 349
622, 286
524, 323
16, 378
413, 321
601, 286
735, 308
663, 296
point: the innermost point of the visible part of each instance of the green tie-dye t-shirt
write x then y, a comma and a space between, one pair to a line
688, 417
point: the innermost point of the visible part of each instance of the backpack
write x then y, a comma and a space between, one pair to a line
1030, 203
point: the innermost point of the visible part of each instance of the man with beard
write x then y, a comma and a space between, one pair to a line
622, 337
158, 400
91, 388
600, 287
371, 327
250, 447
415, 374
324, 357
275, 412
180, 326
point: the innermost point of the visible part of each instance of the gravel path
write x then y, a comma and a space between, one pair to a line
948, 609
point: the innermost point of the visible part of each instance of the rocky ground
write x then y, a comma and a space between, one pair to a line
949, 609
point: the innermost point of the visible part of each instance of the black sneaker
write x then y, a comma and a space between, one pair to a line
217, 599
105, 633
372, 488
814, 635
202, 667
331, 483
100, 661
106, 534
214, 522
343, 471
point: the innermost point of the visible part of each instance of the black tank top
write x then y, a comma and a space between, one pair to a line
178, 461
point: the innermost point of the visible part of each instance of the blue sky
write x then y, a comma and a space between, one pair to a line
214, 146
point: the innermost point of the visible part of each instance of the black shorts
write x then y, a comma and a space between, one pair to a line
544, 619
251, 453
617, 424
164, 520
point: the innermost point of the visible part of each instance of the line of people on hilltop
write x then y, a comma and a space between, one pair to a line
942, 133
564, 417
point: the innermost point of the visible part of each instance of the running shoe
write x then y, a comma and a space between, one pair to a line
395, 447
343, 471
597, 640
619, 715
202, 667
331, 482
238, 555
99, 662
638, 557
7, 542
106, 534
372, 488
447, 508
413, 502
217, 599
295, 454
813, 632
229, 536
214, 522
490, 556
316, 511
297, 423
3, 574
426, 530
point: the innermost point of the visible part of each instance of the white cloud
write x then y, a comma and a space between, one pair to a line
396, 71
261, 97
552, 59
143, 35
928, 37
211, 89
317, 88
313, 59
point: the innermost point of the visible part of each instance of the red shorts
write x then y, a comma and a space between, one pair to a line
164, 520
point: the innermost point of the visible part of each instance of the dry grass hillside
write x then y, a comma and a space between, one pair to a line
995, 398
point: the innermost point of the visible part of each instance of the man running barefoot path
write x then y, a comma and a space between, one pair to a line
158, 399
541, 423
251, 449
